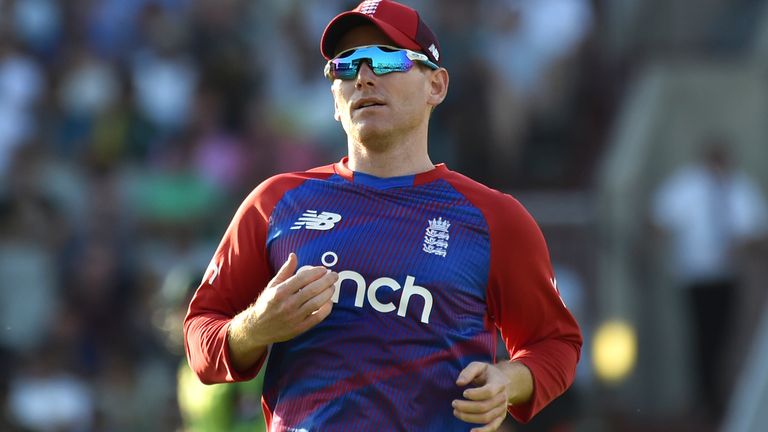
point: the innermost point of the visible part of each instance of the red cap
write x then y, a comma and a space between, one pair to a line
401, 23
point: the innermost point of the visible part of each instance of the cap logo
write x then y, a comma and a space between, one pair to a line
369, 7
435, 53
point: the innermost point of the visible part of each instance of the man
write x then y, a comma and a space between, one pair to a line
709, 212
375, 285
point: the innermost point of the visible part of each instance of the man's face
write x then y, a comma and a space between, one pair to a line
375, 110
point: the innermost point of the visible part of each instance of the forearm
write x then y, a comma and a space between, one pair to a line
245, 350
207, 350
520, 388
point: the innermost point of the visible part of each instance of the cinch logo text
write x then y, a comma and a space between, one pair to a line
364, 291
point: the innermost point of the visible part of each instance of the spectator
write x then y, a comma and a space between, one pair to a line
164, 75
88, 86
708, 210
45, 396
21, 85
38, 24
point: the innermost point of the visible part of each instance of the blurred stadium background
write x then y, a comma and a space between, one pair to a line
131, 129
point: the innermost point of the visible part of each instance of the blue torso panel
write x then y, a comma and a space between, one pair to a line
410, 309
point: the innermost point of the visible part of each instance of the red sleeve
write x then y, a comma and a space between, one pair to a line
523, 301
238, 273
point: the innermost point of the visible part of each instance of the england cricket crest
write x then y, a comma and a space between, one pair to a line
436, 237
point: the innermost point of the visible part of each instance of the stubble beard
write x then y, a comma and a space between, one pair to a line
373, 139
376, 137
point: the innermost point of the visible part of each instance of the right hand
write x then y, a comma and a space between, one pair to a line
291, 303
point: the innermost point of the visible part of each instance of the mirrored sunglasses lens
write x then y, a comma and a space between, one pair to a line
385, 68
344, 68
381, 62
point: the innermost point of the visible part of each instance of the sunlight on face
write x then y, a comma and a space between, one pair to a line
395, 104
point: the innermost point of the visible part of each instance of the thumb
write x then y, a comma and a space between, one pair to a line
472, 372
286, 271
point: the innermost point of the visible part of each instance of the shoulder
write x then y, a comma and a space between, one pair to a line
276, 186
495, 205
269, 192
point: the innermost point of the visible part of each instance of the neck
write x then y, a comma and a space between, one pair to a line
390, 158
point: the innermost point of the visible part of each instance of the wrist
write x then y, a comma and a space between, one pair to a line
243, 331
520, 386
245, 350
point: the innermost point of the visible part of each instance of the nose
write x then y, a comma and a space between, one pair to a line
365, 75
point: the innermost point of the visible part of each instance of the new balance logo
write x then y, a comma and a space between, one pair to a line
436, 237
313, 221
369, 7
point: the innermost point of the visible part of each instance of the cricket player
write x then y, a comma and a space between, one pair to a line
372, 289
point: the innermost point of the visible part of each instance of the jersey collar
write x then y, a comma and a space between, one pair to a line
342, 169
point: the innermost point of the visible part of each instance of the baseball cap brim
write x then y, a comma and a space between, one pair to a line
349, 20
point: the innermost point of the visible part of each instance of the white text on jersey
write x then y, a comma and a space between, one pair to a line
363, 290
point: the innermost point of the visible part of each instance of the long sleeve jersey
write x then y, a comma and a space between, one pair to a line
430, 267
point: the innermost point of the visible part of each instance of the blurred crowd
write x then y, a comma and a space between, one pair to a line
130, 131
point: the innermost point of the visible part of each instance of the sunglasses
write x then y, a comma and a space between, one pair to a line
382, 59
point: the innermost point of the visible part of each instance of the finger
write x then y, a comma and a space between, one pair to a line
318, 287
486, 418
323, 296
286, 271
470, 373
320, 314
302, 278
485, 392
323, 311
315, 318
478, 407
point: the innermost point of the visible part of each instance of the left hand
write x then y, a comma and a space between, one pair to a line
486, 402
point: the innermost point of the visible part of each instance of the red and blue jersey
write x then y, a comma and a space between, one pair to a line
430, 267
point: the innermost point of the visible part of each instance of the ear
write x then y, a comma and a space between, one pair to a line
336, 114
438, 87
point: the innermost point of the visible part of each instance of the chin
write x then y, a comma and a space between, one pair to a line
370, 134
375, 144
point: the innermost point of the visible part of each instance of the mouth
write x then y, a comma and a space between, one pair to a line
366, 103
